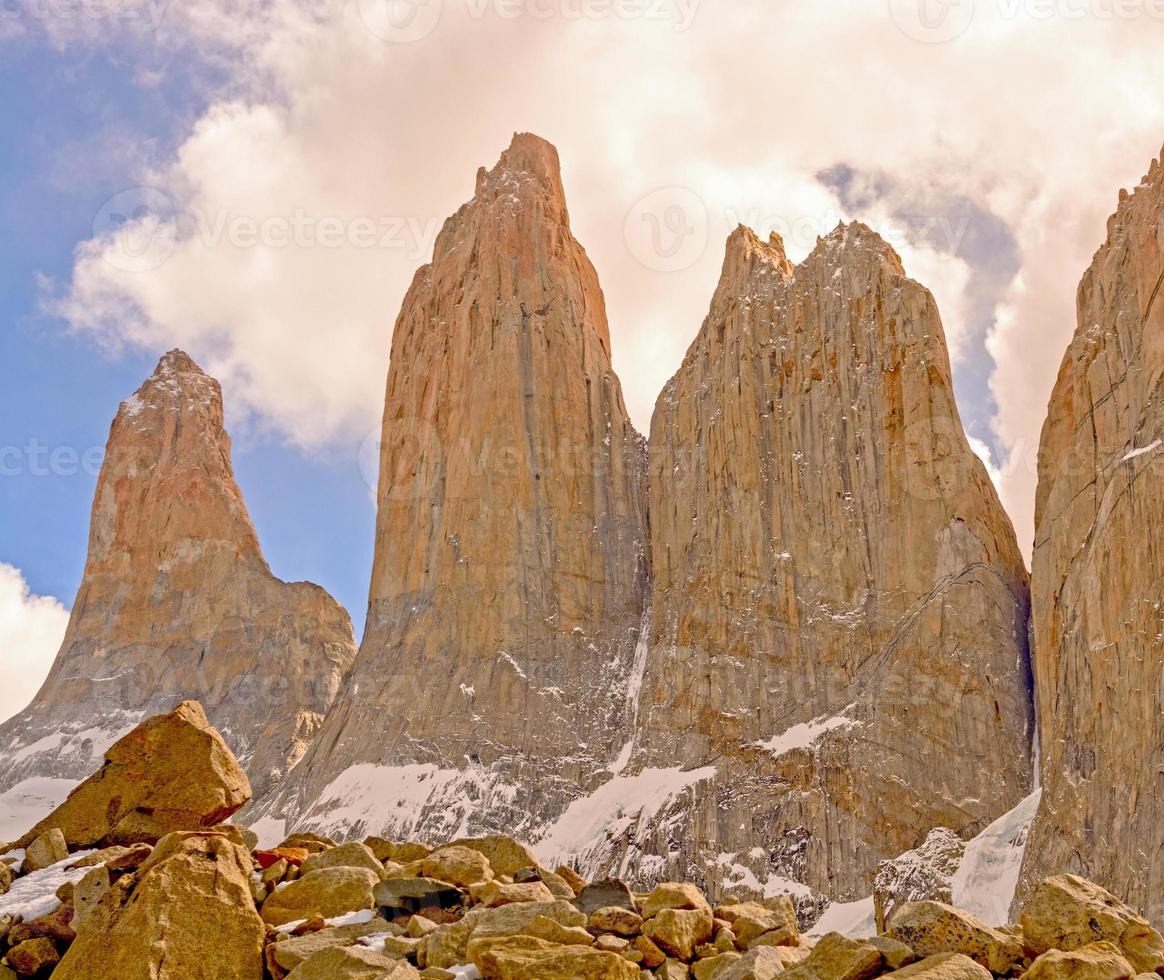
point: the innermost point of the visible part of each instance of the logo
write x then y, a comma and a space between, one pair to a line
400, 21
667, 230
932, 21
137, 229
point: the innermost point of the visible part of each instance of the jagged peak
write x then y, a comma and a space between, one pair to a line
746, 254
855, 239
177, 361
527, 154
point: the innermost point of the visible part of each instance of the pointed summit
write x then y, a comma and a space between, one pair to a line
838, 597
177, 603
510, 570
1095, 574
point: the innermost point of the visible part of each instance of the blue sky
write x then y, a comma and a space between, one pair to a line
66, 115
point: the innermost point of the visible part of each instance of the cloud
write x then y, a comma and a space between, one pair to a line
302, 200
31, 630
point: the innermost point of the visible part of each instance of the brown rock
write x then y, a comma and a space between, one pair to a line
678, 931
177, 602
292, 855
352, 963
672, 895
933, 927
1095, 961
173, 772
186, 913
620, 921
505, 855
33, 956
757, 964
578, 963
652, 955
837, 590
944, 966
400, 898
1094, 575
1066, 912
461, 866
543, 927
287, 954
48, 848
511, 540
835, 957
894, 954
494, 893
571, 878
352, 855
329, 892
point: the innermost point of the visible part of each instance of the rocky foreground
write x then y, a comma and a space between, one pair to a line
135, 876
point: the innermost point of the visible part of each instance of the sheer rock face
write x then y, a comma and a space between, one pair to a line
839, 615
1098, 574
510, 566
178, 603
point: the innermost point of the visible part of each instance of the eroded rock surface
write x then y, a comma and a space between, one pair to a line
1098, 573
178, 603
510, 569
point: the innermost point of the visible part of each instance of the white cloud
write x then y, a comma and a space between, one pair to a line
31, 630
1037, 120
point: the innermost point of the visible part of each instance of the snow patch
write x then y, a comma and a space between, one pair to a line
1140, 452
634, 686
807, 733
985, 881
853, 919
347, 919
29, 801
393, 800
35, 894
623, 804
271, 831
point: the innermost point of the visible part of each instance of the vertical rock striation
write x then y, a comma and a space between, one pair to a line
1098, 574
177, 603
492, 684
838, 651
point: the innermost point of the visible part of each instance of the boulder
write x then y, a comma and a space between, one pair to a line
173, 772
944, 966
930, 927
835, 957
287, 954
894, 954
33, 956
558, 886
447, 945
1066, 912
603, 894
927, 872
620, 921
329, 892
527, 958
493, 893
352, 963
1095, 961
400, 898
762, 963
505, 855
543, 927
571, 878
509, 920
47, 849
352, 855
672, 895
292, 855
679, 931
186, 914
461, 866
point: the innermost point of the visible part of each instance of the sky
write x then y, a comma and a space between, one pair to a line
256, 181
